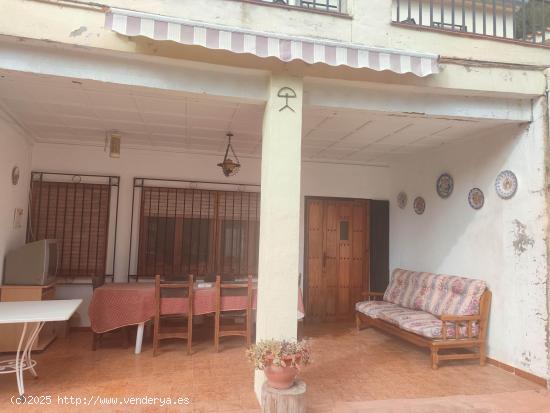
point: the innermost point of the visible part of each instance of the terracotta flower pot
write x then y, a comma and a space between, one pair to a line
282, 377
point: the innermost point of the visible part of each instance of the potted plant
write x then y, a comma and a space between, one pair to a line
280, 360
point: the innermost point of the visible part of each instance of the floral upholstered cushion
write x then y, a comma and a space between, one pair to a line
431, 327
447, 294
372, 308
414, 321
437, 294
401, 287
398, 315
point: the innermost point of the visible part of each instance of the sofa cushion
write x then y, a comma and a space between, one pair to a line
397, 315
435, 293
372, 308
400, 288
430, 327
414, 321
447, 294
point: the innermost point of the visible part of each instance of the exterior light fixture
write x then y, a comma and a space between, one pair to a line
112, 143
229, 166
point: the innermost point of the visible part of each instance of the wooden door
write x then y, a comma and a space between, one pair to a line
380, 241
337, 256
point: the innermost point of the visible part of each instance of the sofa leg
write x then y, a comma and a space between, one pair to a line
95, 340
435, 358
360, 324
482, 354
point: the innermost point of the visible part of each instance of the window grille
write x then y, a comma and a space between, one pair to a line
204, 232
81, 212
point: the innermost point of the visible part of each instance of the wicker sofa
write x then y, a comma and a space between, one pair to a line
439, 312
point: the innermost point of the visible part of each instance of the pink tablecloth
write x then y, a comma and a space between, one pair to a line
119, 304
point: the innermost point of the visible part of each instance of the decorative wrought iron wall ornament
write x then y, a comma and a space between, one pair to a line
229, 166
402, 200
506, 184
286, 93
445, 185
476, 198
419, 205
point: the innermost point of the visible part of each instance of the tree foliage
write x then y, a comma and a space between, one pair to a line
533, 16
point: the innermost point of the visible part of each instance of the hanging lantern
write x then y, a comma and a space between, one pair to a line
229, 166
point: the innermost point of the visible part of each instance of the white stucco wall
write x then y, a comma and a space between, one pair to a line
317, 179
369, 24
503, 243
15, 150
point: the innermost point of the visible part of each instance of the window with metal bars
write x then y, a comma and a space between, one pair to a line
325, 5
77, 210
197, 231
518, 20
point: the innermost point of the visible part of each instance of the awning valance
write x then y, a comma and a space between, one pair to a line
285, 48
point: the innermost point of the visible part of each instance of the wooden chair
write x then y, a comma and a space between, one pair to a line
97, 282
163, 291
233, 329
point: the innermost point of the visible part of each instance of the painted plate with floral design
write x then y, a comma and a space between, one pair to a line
506, 184
402, 200
419, 205
476, 198
445, 185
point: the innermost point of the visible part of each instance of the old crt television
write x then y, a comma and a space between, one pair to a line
35, 263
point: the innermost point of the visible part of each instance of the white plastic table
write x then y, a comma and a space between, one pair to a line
26, 312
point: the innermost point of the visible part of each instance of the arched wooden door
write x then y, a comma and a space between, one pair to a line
337, 256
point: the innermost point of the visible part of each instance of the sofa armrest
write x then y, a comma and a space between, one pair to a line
452, 318
372, 296
459, 322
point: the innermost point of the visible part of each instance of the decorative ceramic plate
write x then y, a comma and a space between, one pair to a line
506, 184
419, 205
402, 200
476, 198
445, 186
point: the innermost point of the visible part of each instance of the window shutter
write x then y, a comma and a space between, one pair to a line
77, 214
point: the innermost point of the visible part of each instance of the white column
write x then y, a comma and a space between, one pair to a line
547, 137
547, 74
280, 213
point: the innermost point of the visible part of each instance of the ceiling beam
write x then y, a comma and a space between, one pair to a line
247, 85
242, 85
395, 100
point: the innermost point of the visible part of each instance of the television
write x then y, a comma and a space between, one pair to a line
35, 263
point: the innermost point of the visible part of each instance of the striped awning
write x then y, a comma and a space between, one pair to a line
285, 48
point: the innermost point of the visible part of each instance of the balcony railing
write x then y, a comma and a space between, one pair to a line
520, 20
335, 6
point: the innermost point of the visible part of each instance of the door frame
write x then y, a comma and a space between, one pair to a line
366, 263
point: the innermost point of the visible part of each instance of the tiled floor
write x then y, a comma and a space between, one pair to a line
369, 365
347, 366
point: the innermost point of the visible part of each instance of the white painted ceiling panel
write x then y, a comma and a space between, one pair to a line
123, 115
79, 112
162, 118
210, 123
112, 101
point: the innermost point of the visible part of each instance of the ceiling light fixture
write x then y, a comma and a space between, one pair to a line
229, 166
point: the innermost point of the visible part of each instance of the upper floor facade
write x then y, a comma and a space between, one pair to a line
493, 46
502, 31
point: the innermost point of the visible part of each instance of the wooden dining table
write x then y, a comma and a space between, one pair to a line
118, 305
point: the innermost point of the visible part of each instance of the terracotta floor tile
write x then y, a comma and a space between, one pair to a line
348, 366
